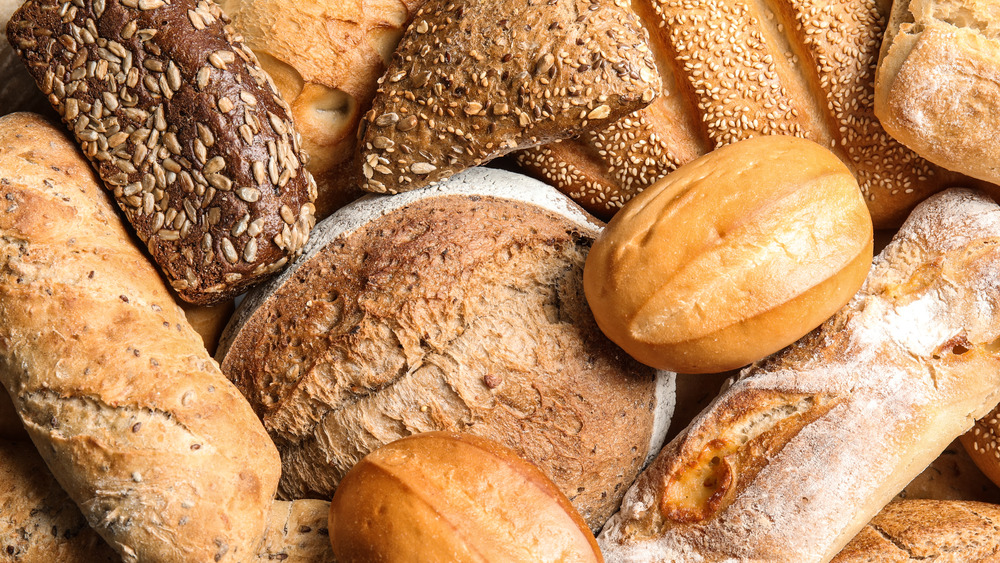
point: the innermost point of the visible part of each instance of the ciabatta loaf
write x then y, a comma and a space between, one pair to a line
164, 457
789, 463
734, 69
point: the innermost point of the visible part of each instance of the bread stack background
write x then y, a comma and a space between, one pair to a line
487, 304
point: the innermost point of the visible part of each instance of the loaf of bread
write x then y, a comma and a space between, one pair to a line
927, 530
297, 532
938, 84
17, 88
184, 127
164, 457
325, 57
733, 69
952, 476
790, 462
983, 445
458, 307
469, 83
731, 257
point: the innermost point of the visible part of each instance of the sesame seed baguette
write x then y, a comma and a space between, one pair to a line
792, 460
928, 530
470, 82
185, 129
936, 88
164, 457
737, 69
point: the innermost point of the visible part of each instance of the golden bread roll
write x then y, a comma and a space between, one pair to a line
162, 454
938, 84
927, 530
734, 69
982, 443
457, 307
470, 83
731, 257
445, 496
326, 57
791, 461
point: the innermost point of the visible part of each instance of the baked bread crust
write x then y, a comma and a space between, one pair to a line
733, 69
791, 461
460, 308
162, 454
184, 127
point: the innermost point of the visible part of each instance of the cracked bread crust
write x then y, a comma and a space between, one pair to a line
453, 312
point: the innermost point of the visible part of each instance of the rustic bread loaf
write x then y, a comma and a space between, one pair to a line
927, 530
790, 462
326, 57
38, 521
297, 532
459, 308
471, 82
731, 257
164, 457
183, 126
450, 496
17, 88
733, 69
937, 87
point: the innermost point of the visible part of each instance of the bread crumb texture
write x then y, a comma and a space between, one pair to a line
460, 313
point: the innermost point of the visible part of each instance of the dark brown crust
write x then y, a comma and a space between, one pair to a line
453, 313
174, 119
469, 85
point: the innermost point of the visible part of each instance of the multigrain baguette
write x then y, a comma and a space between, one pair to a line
790, 462
183, 126
163, 455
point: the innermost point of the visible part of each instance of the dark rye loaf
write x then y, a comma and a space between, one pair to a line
457, 307
183, 126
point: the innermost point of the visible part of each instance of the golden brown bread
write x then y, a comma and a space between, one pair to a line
163, 455
470, 83
732, 257
446, 496
928, 530
297, 532
733, 69
790, 462
326, 57
457, 307
938, 84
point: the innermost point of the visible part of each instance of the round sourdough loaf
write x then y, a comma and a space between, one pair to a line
455, 307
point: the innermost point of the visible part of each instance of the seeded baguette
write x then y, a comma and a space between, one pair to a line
472, 82
164, 457
734, 69
791, 461
185, 129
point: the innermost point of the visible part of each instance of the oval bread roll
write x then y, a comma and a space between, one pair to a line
460, 308
162, 454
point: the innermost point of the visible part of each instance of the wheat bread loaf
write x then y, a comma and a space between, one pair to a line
927, 530
792, 460
937, 88
733, 69
472, 82
184, 127
458, 307
164, 457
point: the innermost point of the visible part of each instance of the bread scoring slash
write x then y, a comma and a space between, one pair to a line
183, 126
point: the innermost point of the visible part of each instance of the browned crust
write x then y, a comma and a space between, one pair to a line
182, 124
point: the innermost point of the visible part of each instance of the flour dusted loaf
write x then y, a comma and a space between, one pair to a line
938, 83
183, 126
733, 69
325, 57
164, 457
457, 307
790, 462
471, 82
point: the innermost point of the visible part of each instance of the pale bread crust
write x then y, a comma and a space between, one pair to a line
163, 455
842, 420
938, 84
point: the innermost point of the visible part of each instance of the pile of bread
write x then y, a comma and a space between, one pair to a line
781, 347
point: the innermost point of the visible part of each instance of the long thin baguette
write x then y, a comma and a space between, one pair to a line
791, 461
164, 457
